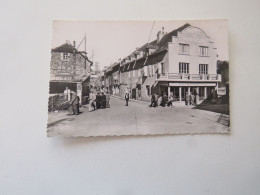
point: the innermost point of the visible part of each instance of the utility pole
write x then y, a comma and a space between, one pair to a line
85, 45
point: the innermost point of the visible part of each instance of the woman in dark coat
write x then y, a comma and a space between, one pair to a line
103, 100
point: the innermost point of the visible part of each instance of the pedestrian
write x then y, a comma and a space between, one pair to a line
170, 101
156, 100
98, 101
107, 100
75, 103
126, 98
164, 99
160, 100
92, 99
103, 100
152, 100
187, 99
192, 99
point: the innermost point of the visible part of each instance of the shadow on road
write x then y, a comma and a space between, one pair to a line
218, 108
58, 121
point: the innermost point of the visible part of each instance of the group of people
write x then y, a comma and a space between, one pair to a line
164, 100
99, 101
190, 99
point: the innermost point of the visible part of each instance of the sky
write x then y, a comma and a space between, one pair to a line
108, 41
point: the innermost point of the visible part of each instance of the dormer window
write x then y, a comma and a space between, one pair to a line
66, 56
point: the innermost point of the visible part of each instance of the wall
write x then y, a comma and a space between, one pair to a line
193, 58
74, 65
31, 163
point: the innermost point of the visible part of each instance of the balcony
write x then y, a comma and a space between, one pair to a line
188, 77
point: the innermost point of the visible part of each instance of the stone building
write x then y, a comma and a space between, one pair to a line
70, 69
177, 63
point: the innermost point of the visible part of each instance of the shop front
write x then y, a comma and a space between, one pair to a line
200, 90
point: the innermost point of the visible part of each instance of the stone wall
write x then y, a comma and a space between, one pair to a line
74, 65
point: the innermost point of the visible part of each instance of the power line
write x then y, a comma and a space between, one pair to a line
150, 33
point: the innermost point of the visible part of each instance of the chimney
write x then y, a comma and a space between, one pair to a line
74, 44
160, 34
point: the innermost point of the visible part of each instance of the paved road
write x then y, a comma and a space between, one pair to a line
135, 119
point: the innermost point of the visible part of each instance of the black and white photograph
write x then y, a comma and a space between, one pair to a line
130, 97
113, 78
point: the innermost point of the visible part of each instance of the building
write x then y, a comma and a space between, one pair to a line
175, 63
70, 69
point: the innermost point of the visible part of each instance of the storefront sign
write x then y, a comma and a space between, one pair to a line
222, 91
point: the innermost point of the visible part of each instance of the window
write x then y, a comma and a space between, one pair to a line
139, 72
152, 70
203, 69
183, 67
162, 68
145, 71
203, 51
66, 56
148, 71
184, 49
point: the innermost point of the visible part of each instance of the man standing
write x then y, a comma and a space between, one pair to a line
98, 100
187, 99
92, 99
107, 100
103, 100
126, 98
75, 103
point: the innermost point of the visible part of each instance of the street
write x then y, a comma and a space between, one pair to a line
135, 119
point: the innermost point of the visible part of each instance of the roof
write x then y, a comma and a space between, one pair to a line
167, 37
68, 48
157, 56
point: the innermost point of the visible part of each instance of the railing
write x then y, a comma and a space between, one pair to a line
186, 76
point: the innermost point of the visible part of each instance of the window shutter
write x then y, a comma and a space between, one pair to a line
159, 68
145, 71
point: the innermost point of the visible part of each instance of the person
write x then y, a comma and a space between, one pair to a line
107, 100
75, 103
187, 99
126, 98
192, 99
103, 100
159, 100
164, 99
195, 97
92, 99
170, 101
98, 101
152, 100
156, 100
